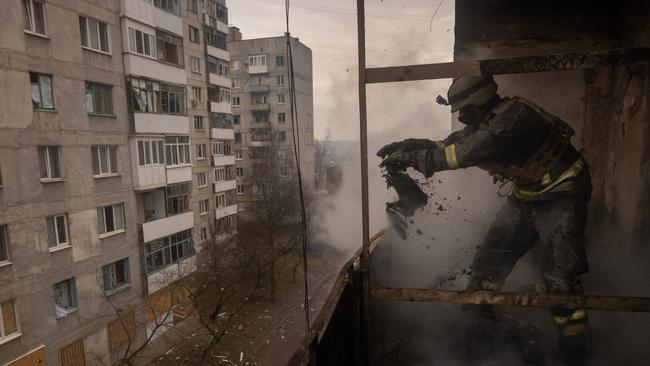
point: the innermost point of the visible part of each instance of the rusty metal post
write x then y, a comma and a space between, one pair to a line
363, 142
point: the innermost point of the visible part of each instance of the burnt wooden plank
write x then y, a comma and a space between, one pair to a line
513, 65
605, 303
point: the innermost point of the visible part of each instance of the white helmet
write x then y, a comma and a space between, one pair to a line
471, 91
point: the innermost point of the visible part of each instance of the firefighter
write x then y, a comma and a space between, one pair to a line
528, 151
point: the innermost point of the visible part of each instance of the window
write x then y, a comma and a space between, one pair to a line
198, 123
196, 93
239, 172
172, 99
195, 64
280, 79
240, 189
239, 155
218, 148
73, 354
110, 219
191, 6
4, 244
169, 6
234, 65
150, 152
219, 175
238, 137
200, 152
169, 47
282, 136
194, 34
236, 119
204, 233
116, 275
177, 149
34, 16
220, 200
142, 43
120, 330
279, 60
165, 251
281, 118
259, 60
8, 320
235, 101
219, 67
65, 298
94, 34
201, 180
261, 117
236, 83
284, 172
204, 206
49, 162
214, 38
42, 96
280, 98
99, 98
145, 95
0, 177
104, 160
178, 198
57, 230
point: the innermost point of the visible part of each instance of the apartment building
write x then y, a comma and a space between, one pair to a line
69, 253
262, 110
109, 152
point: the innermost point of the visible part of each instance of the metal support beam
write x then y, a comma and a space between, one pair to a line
514, 65
543, 300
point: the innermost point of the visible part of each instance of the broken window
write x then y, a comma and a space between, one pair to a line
116, 275
99, 98
110, 219
94, 34
57, 230
172, 249
4, 244
42, 97
49, 162
145, 95
65, 298
104, 160
8, 319
169, 47
34, 15
177, 149
178, 198
150, 152
142, 43
120, 330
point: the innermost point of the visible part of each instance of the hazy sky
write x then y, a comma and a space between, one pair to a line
398, 32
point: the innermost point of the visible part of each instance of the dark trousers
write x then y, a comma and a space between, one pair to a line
558, 225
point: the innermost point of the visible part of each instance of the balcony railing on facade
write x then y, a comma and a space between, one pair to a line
260, 107
258, 88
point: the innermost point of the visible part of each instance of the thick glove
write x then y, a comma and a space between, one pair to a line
407, 145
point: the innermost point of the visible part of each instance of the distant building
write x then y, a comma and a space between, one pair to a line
262, 107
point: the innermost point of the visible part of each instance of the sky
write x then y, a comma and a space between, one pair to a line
399, 32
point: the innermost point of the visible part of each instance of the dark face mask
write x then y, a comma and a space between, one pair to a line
470, 115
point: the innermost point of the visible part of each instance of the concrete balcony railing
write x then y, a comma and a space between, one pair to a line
220, 80
222, 212
220, 107
258, 88
222, 27
171, 273
260, 143
147, 13
160, 228
260, 107
179, 173
260, 69
218, 53
222, 133
151, 68
223, 186
223, 160
148, 123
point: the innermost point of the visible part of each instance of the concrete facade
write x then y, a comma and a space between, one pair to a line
262, 106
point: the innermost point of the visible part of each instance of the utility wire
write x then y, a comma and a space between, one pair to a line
296, 151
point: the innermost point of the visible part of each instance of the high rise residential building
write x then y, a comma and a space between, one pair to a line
261, 107
113, 146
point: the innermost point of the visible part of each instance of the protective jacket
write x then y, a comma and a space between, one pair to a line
519, 142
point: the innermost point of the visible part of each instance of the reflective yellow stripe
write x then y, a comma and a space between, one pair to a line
575, 329
450, 156
490, 286
559, 320
578, 314
555, 185
439, 144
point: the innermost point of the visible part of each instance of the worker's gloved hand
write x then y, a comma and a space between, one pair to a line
400, 161
407, 145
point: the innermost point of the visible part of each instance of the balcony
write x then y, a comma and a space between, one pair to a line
226, 185
260, 107
179, 173
220, 80
225, 211
258, 88
153, 123
258, 69
162, 227
223, 160
148, 176
146, 13
222, 133
169, 274
218, 53
223, 27
220, 107
151, 68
